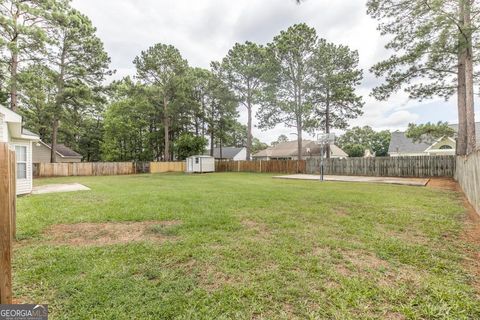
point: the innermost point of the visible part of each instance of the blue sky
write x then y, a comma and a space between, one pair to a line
204, 30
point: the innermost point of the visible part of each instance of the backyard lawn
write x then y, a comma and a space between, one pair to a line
244, 246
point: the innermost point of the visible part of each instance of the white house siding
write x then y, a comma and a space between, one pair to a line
1, 129
242, 155
41, 154
25, 185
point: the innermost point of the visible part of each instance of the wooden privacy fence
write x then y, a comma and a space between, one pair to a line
7, 220
83, 169
158, 167
468, 177
273, 166
421, 166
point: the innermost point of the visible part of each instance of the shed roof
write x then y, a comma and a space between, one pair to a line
64, 151
227, 152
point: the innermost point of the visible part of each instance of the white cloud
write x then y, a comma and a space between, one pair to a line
205, 30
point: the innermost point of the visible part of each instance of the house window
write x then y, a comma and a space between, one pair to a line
21, 154
446, 147
197, 160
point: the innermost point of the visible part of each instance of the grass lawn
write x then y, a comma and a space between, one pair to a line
246, 246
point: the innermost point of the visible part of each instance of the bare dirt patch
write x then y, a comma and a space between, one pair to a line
88, 234
444, 184
260, 229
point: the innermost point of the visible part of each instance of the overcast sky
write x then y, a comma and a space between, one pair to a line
204, 30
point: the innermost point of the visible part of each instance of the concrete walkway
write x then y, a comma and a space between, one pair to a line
54, 188
390, 180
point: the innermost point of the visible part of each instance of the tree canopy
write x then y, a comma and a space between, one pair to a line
363, 138
434, 53
420, 132
54, 70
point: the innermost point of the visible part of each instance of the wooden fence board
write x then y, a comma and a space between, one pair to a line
172, 166
83, 169
270, 166
421, 166
468, 177
7, 219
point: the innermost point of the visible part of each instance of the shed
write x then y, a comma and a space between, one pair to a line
200, 163
42, 153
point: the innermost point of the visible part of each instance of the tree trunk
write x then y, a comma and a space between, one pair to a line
166, 130
53, 151
221, 152
469, 100
249, 131
461, 93
212, 142
59, 100
13, 79
299, 142
14, 63
327, 126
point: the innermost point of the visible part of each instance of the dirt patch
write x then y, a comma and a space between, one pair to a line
261, 229
87, 234
444, 184
210, 277
364, 260
341, 212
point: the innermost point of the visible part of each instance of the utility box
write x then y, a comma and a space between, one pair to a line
200, 164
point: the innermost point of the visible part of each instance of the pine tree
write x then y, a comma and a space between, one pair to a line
434, 44
242, 69
163, 67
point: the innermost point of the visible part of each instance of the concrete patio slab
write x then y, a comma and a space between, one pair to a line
55, 188
421, 182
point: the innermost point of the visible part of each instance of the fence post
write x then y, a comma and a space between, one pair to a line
13, 194
6, 195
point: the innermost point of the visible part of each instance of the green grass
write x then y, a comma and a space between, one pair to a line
249, 246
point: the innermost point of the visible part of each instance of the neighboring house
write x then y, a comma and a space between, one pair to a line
229, 153
20, 140
400, 145
289, 151
42, 153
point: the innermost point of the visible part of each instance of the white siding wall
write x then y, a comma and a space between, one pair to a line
25, 185
3, 129
41, 154
242, 155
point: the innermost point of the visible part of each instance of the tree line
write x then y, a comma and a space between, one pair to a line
54, 68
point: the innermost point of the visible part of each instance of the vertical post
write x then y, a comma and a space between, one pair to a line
321, 161
13, 193
5, 225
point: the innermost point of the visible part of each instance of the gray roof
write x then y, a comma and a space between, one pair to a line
29, 133
400, 143
227, 152
65, 151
